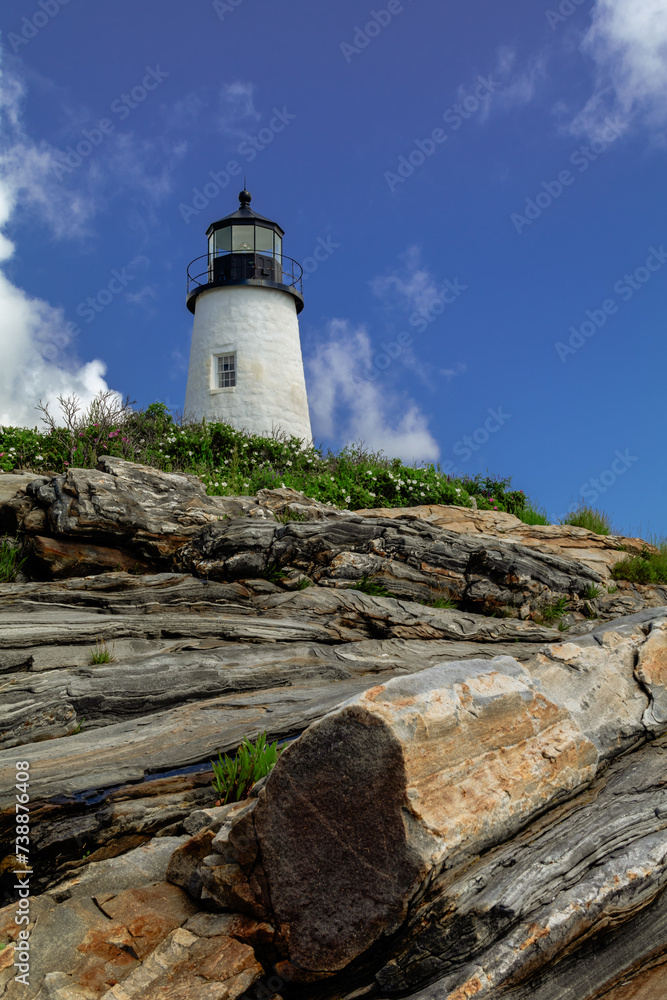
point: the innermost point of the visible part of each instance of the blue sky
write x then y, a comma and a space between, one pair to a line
483, 182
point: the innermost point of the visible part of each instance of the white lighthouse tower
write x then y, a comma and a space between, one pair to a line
246, 367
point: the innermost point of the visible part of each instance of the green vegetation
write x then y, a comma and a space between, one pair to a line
591, 519
233, 463
591, 592
10, 560
101, 653
444, 603
551, 613
235, 776
649, 567
530, 516
368, 586
290, 515
303, 584
274, 574
492, 493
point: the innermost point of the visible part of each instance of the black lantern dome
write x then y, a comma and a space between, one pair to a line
245, 248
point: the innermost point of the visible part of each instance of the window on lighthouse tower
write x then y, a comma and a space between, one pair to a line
226, 371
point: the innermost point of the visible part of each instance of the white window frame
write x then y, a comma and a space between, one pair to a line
216, 373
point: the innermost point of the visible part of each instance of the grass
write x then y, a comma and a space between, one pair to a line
100, 653
10, 560
445, 603
530, 516
649, 567
274, 573
368, 586
290, 515
591, 592
551, 613
591, 519
233, 777
303, 584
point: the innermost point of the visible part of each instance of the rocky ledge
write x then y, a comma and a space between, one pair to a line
469, 804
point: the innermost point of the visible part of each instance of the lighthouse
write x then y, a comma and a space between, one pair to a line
246, 367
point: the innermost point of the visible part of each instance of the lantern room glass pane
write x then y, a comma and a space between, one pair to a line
264, 240
223, 239
243, 238
279, 245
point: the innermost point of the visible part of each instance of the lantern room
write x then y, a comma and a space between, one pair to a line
245, 248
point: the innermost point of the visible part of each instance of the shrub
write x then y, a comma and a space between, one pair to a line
494, 494
591, 519
649, 567
232, 462
235, 776
10, 560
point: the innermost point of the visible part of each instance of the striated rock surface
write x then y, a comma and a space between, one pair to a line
475, 805
376, 807
598, 552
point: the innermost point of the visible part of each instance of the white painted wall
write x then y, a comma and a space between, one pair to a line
259, 324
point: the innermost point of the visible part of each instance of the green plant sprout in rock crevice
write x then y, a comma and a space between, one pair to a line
100, 653
10, 560
290, 515
274, 573
442, 603
235, 776
368, 586
551, 613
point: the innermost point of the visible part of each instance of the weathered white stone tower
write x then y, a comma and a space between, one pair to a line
246, 367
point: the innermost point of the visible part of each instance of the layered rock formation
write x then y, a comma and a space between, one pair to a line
475, 803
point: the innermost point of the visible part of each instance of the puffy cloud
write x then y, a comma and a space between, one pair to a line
627, 40
34, 336
345, 408
413, 287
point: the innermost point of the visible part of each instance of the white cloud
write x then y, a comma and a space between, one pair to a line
34, 336
413, 287
460, 368
27, 172
237, 105
519, 87
346, 409
627, 41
